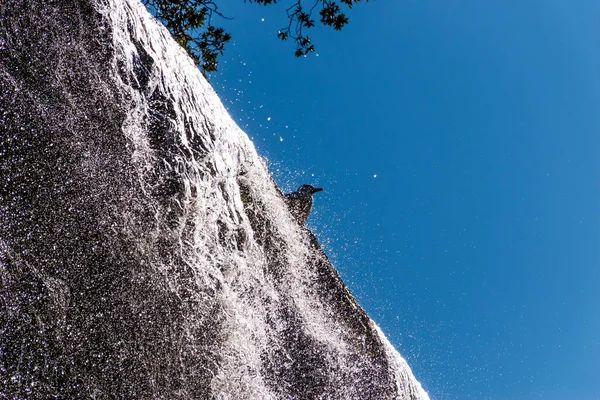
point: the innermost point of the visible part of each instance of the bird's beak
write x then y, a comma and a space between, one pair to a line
315, 190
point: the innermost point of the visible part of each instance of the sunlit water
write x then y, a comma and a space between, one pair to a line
163, 260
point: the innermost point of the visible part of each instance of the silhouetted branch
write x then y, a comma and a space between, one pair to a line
190, 23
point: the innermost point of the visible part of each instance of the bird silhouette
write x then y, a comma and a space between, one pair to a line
300, 202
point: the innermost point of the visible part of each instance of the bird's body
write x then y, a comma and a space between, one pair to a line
300, 202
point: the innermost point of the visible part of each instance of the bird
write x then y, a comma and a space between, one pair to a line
300, 202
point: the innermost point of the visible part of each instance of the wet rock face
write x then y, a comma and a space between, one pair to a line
84, 310
144, 250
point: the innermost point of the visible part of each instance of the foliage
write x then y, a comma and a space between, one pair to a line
190, 23
186, 20
300, 17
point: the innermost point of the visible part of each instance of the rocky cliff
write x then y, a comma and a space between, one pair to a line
145, 252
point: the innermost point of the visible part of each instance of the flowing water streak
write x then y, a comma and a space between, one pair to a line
214, 178
164, 249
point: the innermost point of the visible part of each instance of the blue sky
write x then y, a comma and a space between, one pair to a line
458, 146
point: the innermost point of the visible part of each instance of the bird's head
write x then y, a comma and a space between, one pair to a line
309, 189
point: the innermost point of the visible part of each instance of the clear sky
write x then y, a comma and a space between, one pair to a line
458, 144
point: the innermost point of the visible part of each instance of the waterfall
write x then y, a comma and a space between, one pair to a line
145, 250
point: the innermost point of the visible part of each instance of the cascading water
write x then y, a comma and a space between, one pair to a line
145, 251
